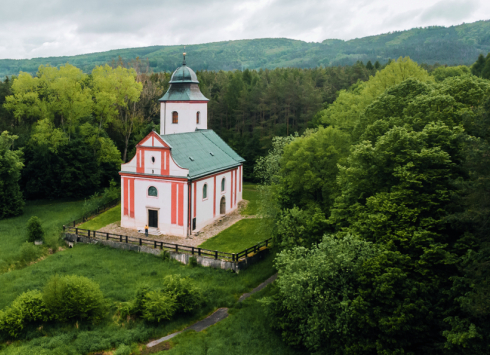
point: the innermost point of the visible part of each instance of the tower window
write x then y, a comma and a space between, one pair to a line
198, 117
205, 191
175, 117
223, 184
152, 191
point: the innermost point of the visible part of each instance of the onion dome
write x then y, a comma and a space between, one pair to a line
184, 74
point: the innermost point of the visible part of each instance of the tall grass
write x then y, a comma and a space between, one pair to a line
119, 273
53, 214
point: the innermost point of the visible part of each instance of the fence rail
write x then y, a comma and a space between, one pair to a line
178, 248
95, 212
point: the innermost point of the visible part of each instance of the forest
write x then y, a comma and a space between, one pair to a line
374, 181
453, 45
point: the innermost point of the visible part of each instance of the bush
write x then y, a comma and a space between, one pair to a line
70, 297
29, 307
158, 306
193, 261
165, 255
123, 350
35, 230
188, 297
97, 200
29, 252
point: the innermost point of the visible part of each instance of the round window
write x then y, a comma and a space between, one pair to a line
153, 159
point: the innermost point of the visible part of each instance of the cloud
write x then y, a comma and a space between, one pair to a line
30, 28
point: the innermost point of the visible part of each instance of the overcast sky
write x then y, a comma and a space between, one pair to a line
34, 28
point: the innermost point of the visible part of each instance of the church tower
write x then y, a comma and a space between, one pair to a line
183, 108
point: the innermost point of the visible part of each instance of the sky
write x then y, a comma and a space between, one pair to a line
33, 28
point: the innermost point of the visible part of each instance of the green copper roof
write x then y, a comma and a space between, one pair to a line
183, 92
184, 74
203, 152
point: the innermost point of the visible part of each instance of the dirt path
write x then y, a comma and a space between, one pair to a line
218, 315
195, 240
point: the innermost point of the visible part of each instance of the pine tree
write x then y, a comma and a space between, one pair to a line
369, 65
377, 65
477, 68
485, 73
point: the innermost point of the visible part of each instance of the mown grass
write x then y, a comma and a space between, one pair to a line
246, 331
251, 194
243, 234
110, 216
53, 215
119, 273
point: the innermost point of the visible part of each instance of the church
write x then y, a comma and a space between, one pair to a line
186, 177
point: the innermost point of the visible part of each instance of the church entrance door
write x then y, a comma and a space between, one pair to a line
222, 206
153, 218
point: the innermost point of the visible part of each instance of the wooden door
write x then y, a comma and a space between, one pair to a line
153, 218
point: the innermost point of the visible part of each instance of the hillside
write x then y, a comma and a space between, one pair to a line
448, 45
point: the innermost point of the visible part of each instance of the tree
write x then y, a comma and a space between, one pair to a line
11, 201
478, 66
35, 229
369, 65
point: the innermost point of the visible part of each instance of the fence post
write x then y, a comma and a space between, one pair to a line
141, 242
107, 236
233, 257
126, 239
88, 233
176, 248
120, 238
73, 223
161, 245
199, 251
76, 231
246, 254
155, 244
192, 250
216, 255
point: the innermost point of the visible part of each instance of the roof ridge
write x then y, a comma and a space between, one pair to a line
217, 145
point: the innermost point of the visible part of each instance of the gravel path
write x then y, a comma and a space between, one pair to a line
218, 315
207, 232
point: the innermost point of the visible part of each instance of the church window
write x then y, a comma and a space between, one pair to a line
223, 184
152, 159
198, 116
152, 191
205, 191
175, 117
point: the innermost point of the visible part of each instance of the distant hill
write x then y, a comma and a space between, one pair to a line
447, 45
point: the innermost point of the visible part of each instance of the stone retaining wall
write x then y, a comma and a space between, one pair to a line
71, 239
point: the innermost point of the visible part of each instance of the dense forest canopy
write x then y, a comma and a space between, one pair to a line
450, 45
380, 215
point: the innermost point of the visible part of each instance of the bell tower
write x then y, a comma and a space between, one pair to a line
183, 108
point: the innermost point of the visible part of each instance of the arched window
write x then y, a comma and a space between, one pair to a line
223, 184
198, 117
205, 191
152, 191
175, 117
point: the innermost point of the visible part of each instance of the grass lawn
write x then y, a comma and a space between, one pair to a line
243, 234
102, 220
246, 331
119, 273
53, 215
251, 194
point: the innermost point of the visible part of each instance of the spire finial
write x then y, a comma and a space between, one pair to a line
183, 63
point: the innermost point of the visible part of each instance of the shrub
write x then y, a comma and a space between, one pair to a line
192, 261
29, 252
35, 230
165, 255
123, 350
187, 296
29, 307
158, 306
69, 297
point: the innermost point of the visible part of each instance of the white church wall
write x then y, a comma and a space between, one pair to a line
187, 116
176, 170
129, 166
153, 161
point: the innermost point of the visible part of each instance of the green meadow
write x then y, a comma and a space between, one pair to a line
110, 216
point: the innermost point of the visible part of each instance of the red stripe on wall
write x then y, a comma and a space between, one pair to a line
131, 206
240, 177
195, 196
181, 204
173, 212
214, 198
125, 189
231, 190
236, 171
140, 161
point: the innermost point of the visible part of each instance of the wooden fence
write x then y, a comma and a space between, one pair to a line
158, 244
